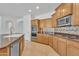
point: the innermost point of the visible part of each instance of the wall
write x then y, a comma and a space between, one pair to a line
5, 21
0, 24
0, 28
21, 26
27, 27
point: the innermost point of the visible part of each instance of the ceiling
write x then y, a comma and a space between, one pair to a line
21, 9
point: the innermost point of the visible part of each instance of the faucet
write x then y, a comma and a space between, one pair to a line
11, 30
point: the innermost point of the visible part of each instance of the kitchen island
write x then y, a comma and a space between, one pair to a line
12, 45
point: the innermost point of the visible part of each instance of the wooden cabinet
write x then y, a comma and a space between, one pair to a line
5, 51
58, 12
55, 43
45, 23
21, 45
48, 23
35, 22
62, 46
39, 38
66, 9
42, 39
42, 23
50, 38
54, 21
72, 48
75, 16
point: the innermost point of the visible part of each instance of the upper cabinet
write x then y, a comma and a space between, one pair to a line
46, 23
66, 9
63, 10
54, 20
42, 24
35, 22
75, 16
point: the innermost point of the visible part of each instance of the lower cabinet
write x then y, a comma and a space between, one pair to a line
39, 39
55, 43
50, 38
46, 39
21, 45
5, 51
72, 48
65, 47
62, 46
42, 39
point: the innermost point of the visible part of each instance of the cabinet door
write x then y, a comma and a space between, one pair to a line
51, 41
48, 23
66, 9
55, 43
72, 48
75, 16
39, 39
15, 49
54, 21
45, 40
5, 51
21, 45
72, 51
58, 12
62, 46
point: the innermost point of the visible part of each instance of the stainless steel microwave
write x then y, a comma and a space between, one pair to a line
64, 21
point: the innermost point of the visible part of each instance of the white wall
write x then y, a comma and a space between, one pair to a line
5, 21
27, 27
0, 24
0, 28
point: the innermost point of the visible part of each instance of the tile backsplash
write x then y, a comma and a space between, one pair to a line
48, 30
68, 30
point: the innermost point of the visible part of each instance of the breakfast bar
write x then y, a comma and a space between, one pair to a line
12, 45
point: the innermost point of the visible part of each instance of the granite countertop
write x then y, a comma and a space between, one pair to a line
68, 37
9, 39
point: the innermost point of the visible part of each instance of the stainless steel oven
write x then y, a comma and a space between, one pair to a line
34, 31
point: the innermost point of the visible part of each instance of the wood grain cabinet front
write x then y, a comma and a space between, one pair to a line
5, 51
72, 48
21, 45
62, 46
50, 41
75, 16
66, 9
55, 43
54, 21
42, 39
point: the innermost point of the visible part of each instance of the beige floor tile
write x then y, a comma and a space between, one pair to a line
37, 49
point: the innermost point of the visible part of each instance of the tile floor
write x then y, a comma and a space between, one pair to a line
37, 49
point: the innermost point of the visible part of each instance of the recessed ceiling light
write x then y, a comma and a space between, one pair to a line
29, 10
37, 7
